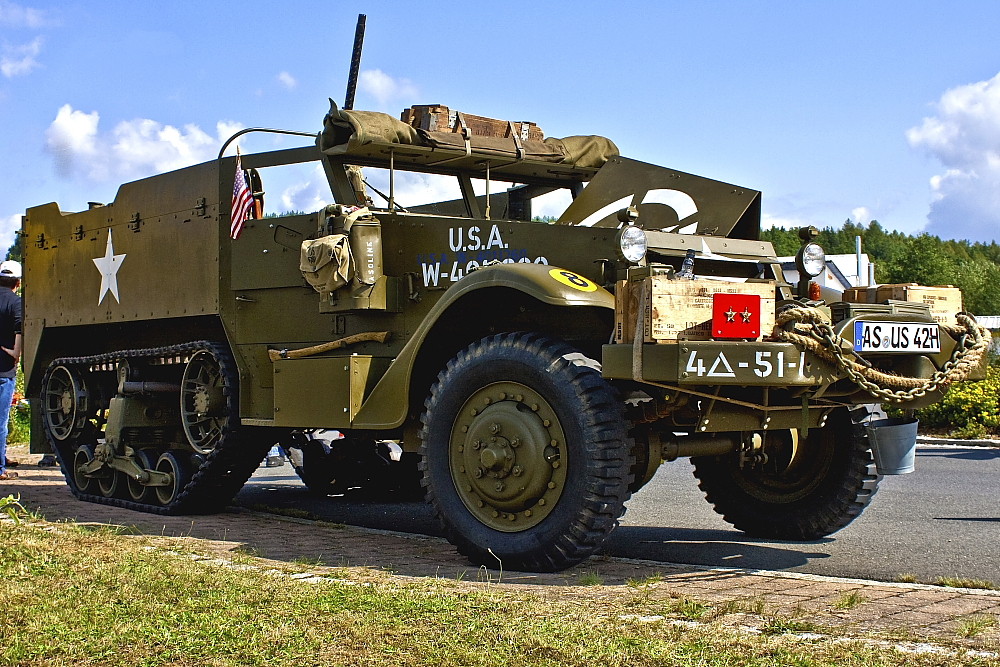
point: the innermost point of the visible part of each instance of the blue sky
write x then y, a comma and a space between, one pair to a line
834, 110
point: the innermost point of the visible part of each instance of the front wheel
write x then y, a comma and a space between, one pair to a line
525, 453
790, 487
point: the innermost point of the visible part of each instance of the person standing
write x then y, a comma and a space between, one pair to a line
10, 351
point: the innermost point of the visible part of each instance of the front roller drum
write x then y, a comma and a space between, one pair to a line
525, 454
206, 400
65, 404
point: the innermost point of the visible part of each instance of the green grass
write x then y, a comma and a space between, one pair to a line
778, 625
965, 582
96, 597
850, 600
11, 506
975, 625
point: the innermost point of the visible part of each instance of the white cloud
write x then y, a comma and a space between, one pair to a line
861, 215
8, 229
551, 204
287, 80
310, 194
767, 221
384, 88
133, 149
72, 139
20, 59
411, 188
13, 14
964, 136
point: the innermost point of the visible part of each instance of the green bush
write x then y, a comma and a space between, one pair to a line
969, 409
19, 426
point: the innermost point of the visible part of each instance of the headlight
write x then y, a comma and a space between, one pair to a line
632, 244
811, 259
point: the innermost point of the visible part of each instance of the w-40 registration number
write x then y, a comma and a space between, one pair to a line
896, 337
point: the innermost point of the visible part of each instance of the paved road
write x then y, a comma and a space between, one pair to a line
941, 521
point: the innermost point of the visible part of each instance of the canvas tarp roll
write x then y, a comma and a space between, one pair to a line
345, 131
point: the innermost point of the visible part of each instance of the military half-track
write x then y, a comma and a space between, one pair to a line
534, 374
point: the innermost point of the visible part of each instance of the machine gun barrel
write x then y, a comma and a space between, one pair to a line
352, 78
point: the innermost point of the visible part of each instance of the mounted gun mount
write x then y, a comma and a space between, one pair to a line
533, 375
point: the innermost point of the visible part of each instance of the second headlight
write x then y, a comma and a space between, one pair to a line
632, 244
811, 259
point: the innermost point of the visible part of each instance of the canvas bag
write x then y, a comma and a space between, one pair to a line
326, 262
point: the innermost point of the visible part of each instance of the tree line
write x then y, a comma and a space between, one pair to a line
902, 258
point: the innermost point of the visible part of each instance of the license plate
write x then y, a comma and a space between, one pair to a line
896, 337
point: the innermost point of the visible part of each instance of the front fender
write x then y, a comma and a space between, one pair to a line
549, 284
388, 403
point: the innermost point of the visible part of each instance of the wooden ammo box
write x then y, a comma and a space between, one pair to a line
681, 309
944, 300
861, 294
438, 118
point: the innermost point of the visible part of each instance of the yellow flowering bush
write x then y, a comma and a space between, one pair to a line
969, 409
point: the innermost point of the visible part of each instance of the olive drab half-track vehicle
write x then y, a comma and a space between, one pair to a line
532, 375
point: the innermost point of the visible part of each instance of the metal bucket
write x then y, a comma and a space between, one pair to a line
894, 444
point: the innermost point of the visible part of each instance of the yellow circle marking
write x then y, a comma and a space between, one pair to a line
573, 280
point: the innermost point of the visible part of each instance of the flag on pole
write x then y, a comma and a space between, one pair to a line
242, 200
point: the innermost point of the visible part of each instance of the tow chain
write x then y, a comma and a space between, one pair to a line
812, 330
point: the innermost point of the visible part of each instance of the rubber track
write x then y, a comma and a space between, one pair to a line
224, 470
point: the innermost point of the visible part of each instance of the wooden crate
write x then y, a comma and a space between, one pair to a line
678, 310
861, 295
944, 300
439, 118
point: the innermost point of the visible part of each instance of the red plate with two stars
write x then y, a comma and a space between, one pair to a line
735, 316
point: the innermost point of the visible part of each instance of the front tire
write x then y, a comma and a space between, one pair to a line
525, 453
806, 489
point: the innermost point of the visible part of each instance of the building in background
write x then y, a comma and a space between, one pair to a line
842, 271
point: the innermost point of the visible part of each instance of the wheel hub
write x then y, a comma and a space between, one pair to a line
66, 403
200, 400
204, 406
506, 456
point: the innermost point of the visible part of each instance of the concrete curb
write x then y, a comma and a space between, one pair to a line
954, 442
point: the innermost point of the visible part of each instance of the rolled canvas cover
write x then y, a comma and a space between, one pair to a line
344, 131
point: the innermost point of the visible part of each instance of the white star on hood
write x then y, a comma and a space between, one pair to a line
108, 266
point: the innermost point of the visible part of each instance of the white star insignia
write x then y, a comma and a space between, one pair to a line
108, 266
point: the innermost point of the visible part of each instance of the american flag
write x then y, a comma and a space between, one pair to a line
242, 201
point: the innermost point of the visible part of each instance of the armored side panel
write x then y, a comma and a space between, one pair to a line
666, 199
139, 272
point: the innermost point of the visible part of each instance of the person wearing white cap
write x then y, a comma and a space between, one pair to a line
10, 351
